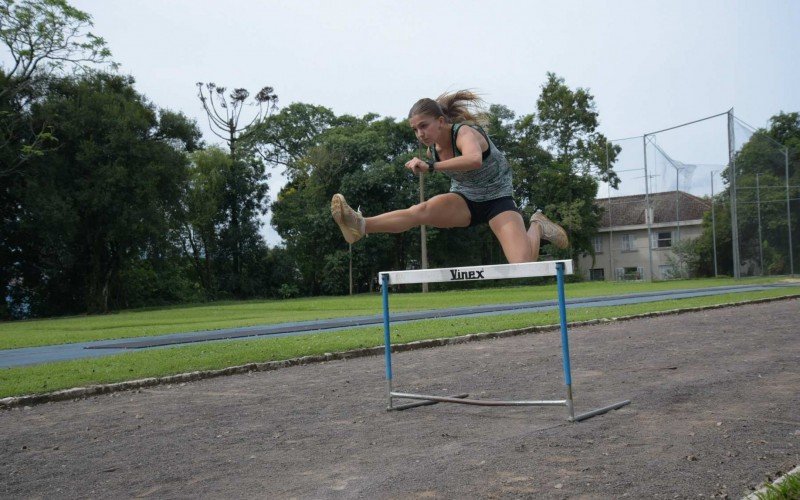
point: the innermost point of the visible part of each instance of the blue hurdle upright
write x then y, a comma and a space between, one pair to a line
557, 268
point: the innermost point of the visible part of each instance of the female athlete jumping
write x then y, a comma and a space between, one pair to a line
480, 189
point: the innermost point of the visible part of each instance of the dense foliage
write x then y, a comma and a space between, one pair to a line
762, 165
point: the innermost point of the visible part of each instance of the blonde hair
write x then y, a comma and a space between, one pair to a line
456, 107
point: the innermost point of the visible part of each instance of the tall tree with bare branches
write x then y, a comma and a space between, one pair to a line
245, 179
225, 112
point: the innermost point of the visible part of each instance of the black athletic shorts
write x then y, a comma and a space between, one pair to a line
484, 211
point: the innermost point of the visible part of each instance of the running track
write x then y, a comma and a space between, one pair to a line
64, 352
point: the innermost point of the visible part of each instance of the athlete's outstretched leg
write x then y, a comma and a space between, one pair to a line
442, 211
509, 227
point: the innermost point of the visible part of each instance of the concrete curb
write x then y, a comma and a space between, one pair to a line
762, 491
94, 390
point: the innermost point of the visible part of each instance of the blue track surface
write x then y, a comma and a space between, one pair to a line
63, 352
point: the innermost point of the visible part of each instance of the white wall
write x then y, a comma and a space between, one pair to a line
611, 258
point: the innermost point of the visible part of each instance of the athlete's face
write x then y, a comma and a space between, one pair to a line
427, 128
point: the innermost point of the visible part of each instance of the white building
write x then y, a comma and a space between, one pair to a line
621, 243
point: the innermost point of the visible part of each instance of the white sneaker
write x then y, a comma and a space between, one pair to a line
350, 221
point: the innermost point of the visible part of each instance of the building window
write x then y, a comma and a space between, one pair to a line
629, 273
627, 243
597, 243
598, 274
662, 239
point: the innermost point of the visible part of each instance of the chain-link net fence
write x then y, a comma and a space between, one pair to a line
765, 201
695, 199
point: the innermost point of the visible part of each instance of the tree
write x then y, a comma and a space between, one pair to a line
204, 213
99, 208
224, 116
42, 37
557, 157
50, 33
283, 138
363, 158
246, 180
760, 180
567, 124
684, 260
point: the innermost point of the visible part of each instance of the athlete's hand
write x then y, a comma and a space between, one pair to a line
416, 166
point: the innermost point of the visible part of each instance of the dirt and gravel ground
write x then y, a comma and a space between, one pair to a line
716, 409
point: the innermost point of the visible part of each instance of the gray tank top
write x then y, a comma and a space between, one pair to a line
490, 181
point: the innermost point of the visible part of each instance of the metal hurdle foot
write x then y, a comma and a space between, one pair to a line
599, 411
426, 401
461, 399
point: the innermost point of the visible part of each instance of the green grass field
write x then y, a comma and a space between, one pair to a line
140, 323
215, 355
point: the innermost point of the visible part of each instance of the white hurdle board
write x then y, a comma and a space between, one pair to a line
557, 268
471, 273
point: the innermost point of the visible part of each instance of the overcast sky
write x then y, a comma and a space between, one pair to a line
649, 64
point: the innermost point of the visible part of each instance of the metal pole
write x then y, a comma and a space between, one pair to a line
562, 313
647, 210
460, 399
610, 228
423, 234
732, 187
688, 123
677, 203
351, 269
788, 210
760, 237
386, 339
610, 238
713, 226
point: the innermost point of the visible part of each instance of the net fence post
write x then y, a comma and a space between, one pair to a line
788, 209
713, 226
733, 196
648, 211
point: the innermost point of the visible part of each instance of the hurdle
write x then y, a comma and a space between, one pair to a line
558, 268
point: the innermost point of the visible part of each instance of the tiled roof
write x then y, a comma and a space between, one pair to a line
629, 210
